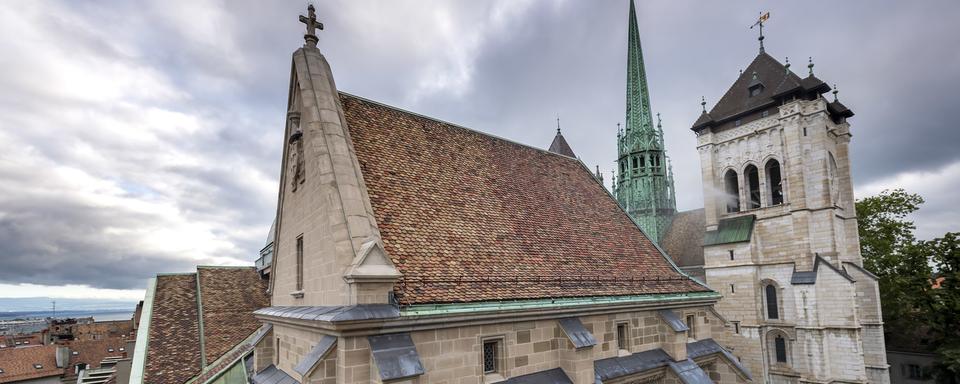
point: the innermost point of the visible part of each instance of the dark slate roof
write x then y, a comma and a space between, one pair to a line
674, 321
550, 376
707, 347
469, 217
560, 146
272, 375
838, 109
703, 120
396, 356
224, 297
679, 240
770, 72
730, 230
689, 372
777, 82
614, 367
810, 277
575, 331
334, 314
317, 353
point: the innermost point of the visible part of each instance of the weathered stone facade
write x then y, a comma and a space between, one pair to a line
786, 163
355, 299
449, 346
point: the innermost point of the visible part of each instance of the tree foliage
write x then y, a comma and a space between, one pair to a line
907, 270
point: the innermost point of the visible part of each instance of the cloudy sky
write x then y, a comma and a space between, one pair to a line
145, 137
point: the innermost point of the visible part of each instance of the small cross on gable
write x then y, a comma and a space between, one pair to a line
312, 25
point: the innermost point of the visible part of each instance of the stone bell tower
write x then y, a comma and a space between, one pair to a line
781, 241
644, 186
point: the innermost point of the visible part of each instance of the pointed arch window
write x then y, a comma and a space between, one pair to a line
773, 310
753, 185
780, 345
775, 181
732, 190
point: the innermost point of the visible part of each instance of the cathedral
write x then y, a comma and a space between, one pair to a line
392, 264
777, 236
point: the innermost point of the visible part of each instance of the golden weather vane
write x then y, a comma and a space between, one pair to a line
763, 17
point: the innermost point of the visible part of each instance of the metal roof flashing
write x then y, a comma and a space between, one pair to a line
143, 335
548, 303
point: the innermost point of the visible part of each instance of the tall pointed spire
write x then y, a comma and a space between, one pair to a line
639, 117
644, 185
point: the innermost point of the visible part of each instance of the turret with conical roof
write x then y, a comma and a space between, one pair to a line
645, 183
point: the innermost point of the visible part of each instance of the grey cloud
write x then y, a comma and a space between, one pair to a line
228, 65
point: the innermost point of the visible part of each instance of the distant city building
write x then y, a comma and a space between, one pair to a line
67, 362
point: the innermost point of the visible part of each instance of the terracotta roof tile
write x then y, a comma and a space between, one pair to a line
229, 295
466, 216
18, 363
684, 239
93, 352
173, 356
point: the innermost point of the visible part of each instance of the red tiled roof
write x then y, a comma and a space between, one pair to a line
173, 354
466, 216
92, 352
18, 363
229, 295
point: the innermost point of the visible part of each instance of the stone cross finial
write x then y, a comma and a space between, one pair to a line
312, 25
703, 104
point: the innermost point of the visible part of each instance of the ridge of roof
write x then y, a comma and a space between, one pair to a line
471, 130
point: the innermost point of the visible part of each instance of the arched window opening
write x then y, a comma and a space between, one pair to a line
753, 185
780, 344
634, 162
775, 182
643, 161
772, 307
834, 184
732, 190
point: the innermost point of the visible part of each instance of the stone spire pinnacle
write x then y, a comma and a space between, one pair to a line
644, 187
810, 66
639, 118
312, 25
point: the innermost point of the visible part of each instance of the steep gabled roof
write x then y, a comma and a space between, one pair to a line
560, 146
470, 217
197, 318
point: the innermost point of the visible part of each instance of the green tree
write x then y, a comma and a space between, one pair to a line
890, 251
907, 270
943, 305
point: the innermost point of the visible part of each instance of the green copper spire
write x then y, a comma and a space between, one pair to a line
644, 186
